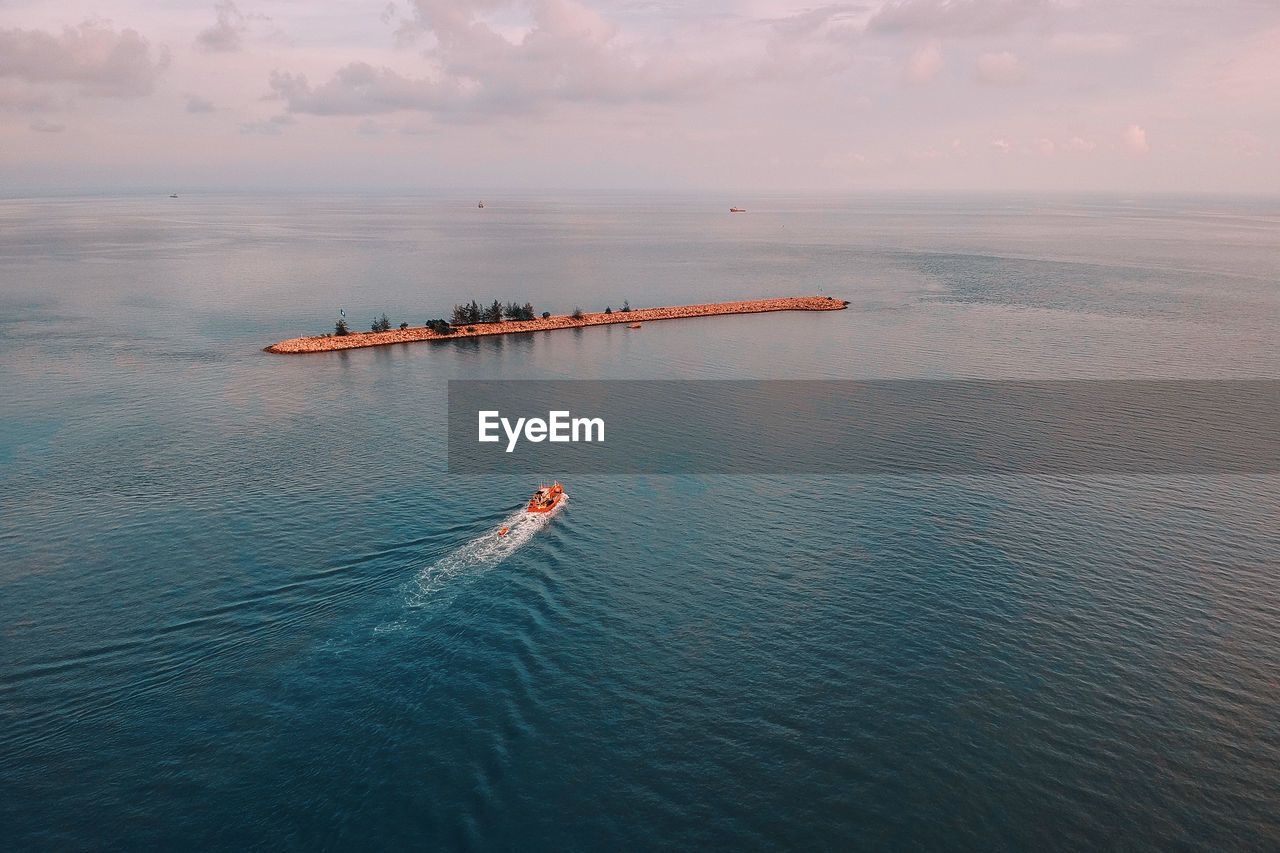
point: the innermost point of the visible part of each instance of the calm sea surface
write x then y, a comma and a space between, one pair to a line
242, 603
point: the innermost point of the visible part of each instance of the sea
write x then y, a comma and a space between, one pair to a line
244, 604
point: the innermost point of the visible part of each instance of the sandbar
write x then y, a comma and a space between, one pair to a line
355, 340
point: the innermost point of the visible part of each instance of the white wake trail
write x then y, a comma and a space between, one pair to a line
479, 555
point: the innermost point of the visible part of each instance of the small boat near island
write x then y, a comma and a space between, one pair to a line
546, 498
634, 326
737, 210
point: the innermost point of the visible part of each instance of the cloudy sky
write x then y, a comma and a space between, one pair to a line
768, 95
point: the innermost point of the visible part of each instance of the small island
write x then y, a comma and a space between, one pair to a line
327, 343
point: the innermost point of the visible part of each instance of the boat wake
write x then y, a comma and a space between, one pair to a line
484, 552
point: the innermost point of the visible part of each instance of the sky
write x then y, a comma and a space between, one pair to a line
764, 95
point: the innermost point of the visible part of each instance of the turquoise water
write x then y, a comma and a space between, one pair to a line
242, 603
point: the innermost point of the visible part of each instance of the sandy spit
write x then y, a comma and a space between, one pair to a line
326, 343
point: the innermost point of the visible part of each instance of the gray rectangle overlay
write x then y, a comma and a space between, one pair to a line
876, 427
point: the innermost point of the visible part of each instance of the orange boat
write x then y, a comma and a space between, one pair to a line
546, 498
737, 210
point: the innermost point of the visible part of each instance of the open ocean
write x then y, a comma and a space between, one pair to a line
243, 605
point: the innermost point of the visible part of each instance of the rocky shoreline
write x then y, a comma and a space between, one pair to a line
356, 340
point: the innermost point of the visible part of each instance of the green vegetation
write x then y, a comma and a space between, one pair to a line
340, 328
404, 326
470, 314
546, 315
382, 324
519, 312
440, 327
626, 307
463, 314
608, 310
577, 313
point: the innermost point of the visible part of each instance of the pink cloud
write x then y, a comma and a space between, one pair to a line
1089, 43
100, 60
1252, 71
999, 68
1242, 143
1135, 139
1080, 145
569, 54
957, 17
925, 63
225, 35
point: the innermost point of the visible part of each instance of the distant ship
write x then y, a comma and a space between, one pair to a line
173, 195
481, 204
546, 498
737, 210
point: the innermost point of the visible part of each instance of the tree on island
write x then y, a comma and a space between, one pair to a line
546, 315
515, 311
340, 328
465, 314
440, 327
577, 313
626, 307
608, 310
